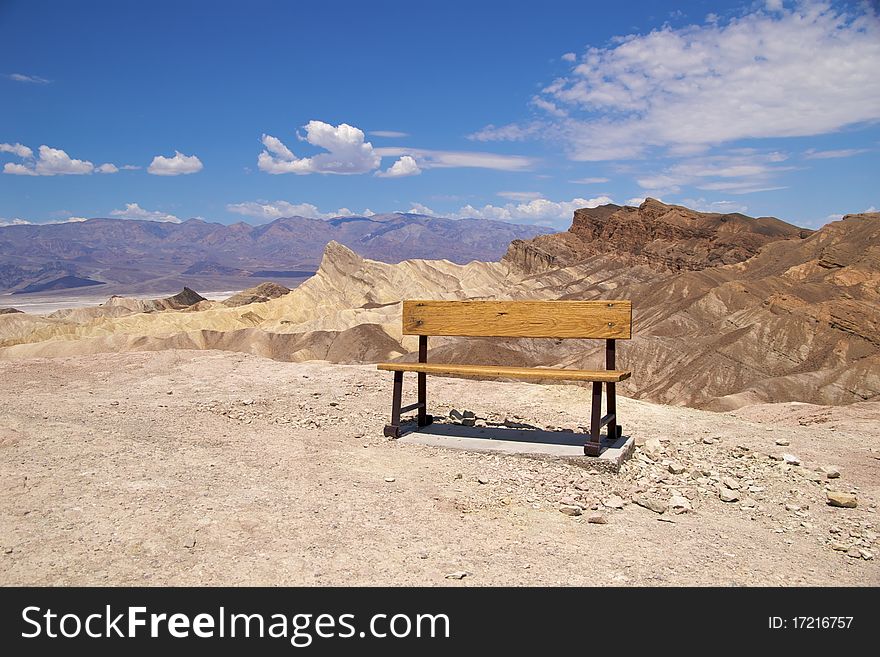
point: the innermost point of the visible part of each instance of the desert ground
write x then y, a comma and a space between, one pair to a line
215, 468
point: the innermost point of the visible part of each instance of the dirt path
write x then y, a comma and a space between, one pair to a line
184, 467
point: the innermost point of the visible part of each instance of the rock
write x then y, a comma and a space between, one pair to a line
648, 503
731, 483
458, 574
613, 502
841, 499
854, 553
390, 480
570, 510
653, 449
189, 543
791, 459
727, 495
708, 441
867, 555
468, 421
455, 415
680, 504
783, 442
597, 519
483, 480
830, 471
469, 414
676, 468
839, 547
792, 507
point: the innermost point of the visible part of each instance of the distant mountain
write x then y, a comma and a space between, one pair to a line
131, 252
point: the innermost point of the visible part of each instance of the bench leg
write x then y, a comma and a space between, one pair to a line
591, 448
614, 429
393, 430
423, 418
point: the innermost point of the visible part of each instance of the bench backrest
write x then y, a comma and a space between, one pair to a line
611, 320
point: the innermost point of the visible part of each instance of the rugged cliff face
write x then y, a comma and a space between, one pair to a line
664, 237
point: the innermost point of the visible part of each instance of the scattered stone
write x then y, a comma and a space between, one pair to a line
114, 403
841, 499
483, 480
748, 503
613, 502
830, 471
455, 415
458, 574
570, 510
189, 543
854, 553
791, 459
597, 519
468, 421
390, 480
680, 504
665, 519
839, 547
792, 507
648, 503
469, 414
867, 555
676, 468
653, 449
731, 483
727, 495
783, 442
708, 441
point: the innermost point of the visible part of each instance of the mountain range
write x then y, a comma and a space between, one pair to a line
138, 255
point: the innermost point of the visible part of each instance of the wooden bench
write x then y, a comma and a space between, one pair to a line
608, 320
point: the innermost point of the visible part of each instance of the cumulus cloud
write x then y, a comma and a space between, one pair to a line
17, 149
177, 165
134, 211
537, 211
346, 152
32, 79
49, 162
271, 210
405, 166
803, 71
107, 168
418, 208
569, 57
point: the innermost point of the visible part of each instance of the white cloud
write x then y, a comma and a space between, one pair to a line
418, 208
520, 196
794, 72
511, 132
825, 155
589, 181
636, 201
271, 210
17, 149
49, 162
177, 165
721, 207
537, 211
405, 166
569, 57
741, 171
388, 133
33, 79
549, 106
15, 222
134, 211
773, 5
107, 168
129, 167
346, 152
432, 159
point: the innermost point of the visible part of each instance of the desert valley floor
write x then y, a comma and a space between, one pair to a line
205, 467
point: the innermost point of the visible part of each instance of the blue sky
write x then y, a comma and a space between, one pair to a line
235, 111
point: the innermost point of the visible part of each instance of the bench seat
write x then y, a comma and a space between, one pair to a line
479, 371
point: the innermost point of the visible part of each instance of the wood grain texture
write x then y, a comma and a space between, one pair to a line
519, 319
492, 371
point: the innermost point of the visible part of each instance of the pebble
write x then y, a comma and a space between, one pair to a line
792, 507
854, 553
727, 495
653, 449
458, 574
676, 468
791, 459
867, 555
597, 519
783, 442
570, 510
731, 483
648, 503
613, 502
680, 504
390, 480
841, 499
839, 547
830, 471
483, 480
708, 441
